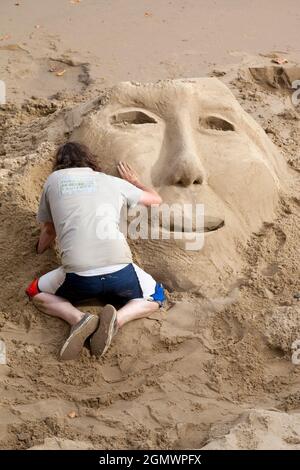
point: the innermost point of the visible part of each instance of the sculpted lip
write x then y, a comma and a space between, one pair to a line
210, 224
179, 225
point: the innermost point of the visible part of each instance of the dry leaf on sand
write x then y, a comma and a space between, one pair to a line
13, 47
279, 60
60, 73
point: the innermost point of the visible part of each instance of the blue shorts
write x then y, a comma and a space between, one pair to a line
116, 288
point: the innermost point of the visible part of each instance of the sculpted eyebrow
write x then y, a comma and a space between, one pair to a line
226, 112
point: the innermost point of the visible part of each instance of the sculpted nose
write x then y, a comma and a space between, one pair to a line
186, 170
183, 166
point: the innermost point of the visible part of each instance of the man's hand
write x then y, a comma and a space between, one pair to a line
149, 196
47, 236
128, 173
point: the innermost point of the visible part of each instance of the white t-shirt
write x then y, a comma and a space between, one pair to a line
85, 207
102, 271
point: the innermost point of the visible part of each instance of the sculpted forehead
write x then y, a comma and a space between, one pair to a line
207, 94
194, 113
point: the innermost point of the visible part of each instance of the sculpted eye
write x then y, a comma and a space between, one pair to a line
216, 123
132, 117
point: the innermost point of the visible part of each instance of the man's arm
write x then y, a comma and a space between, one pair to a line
149, 196
47, 236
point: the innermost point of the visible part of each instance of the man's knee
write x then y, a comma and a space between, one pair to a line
41, 302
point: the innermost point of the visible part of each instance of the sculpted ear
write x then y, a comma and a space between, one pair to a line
268, 150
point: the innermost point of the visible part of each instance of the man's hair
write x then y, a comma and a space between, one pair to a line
74, 155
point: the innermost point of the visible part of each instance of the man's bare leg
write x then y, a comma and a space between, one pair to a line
57, 307
82, 324
134, 309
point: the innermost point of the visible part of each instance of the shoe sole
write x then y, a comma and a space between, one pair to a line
101, 339
75, 342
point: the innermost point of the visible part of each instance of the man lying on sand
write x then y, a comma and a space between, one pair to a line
73, 199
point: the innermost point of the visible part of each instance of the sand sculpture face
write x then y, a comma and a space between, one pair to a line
192, 141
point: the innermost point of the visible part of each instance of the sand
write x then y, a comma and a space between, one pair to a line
205, 372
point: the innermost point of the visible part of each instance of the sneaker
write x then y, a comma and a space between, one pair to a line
101, 339
78, 334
